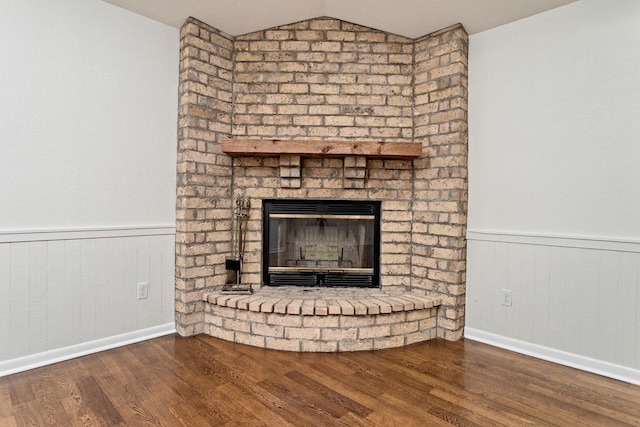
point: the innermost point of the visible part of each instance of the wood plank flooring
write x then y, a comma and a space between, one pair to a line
203, 381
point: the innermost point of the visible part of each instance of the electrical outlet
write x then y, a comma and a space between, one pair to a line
506, 297
143, 290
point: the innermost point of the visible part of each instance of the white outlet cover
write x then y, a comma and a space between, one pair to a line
506, 295
143, 290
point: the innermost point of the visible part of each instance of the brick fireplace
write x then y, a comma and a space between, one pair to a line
323, 81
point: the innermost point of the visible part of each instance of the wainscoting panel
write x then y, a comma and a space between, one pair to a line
574, 296
66, 289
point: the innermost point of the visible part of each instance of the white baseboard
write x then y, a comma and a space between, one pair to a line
32, 361
583, 363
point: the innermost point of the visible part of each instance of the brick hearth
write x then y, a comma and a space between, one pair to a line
313, 319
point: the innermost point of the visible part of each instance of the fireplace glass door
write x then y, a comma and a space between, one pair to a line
321, 243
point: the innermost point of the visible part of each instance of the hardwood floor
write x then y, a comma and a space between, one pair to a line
203, 381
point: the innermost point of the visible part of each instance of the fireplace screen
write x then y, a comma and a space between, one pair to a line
321, 243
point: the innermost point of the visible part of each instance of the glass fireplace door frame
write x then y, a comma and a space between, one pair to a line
334, 243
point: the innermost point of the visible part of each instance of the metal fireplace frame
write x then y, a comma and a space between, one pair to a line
321, 276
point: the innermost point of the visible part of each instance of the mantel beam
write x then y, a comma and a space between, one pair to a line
236, 147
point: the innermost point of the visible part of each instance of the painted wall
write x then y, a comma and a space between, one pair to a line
554, 186
87, 121
87, 166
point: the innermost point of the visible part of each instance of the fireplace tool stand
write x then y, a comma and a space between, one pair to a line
233, 265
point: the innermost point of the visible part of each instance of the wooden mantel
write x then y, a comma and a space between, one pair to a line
321, 148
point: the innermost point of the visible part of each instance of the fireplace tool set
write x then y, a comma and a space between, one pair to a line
233, 265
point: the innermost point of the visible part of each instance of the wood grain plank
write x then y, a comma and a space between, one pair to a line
37, 297
127, 289
30, 414
527, 294
155, 280
514, 283
572, 322
607, 300
172, 381
541, 302
88, 300
100, 403
627, 290
5, 303
49, 398
115, 299
589, 304
18, 296
329, 394
142, 306
167, 305
266, 411
68, 300
56, 283
103, 309
557, 299
321, 148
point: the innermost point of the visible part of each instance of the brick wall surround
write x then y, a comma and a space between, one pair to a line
204, 174
324, 79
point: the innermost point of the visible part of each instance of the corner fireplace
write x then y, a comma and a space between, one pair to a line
333, 243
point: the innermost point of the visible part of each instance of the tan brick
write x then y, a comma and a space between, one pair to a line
294, 88
339, 334
302, 333
321, 321
292, 109
249, 339
404, 328
331, 46
326, 89
324, 109
392, 318
218, 332
282, 320
311, 56
277, 35
263, 45
237, 325
340, 35
419, 336
339, 121
374, 332
267, 330
324, 24
285, 72
355, 345
295, 45
353, 132
319, 346
388, 342
309, 35
357, 321
446, 230
323, 131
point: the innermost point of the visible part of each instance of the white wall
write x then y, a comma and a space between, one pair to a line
87, 172
554, 185
87, 120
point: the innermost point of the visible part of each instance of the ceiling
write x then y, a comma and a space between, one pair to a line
409, 18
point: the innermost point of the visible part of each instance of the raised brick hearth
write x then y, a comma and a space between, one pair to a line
314, 319
311, 82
